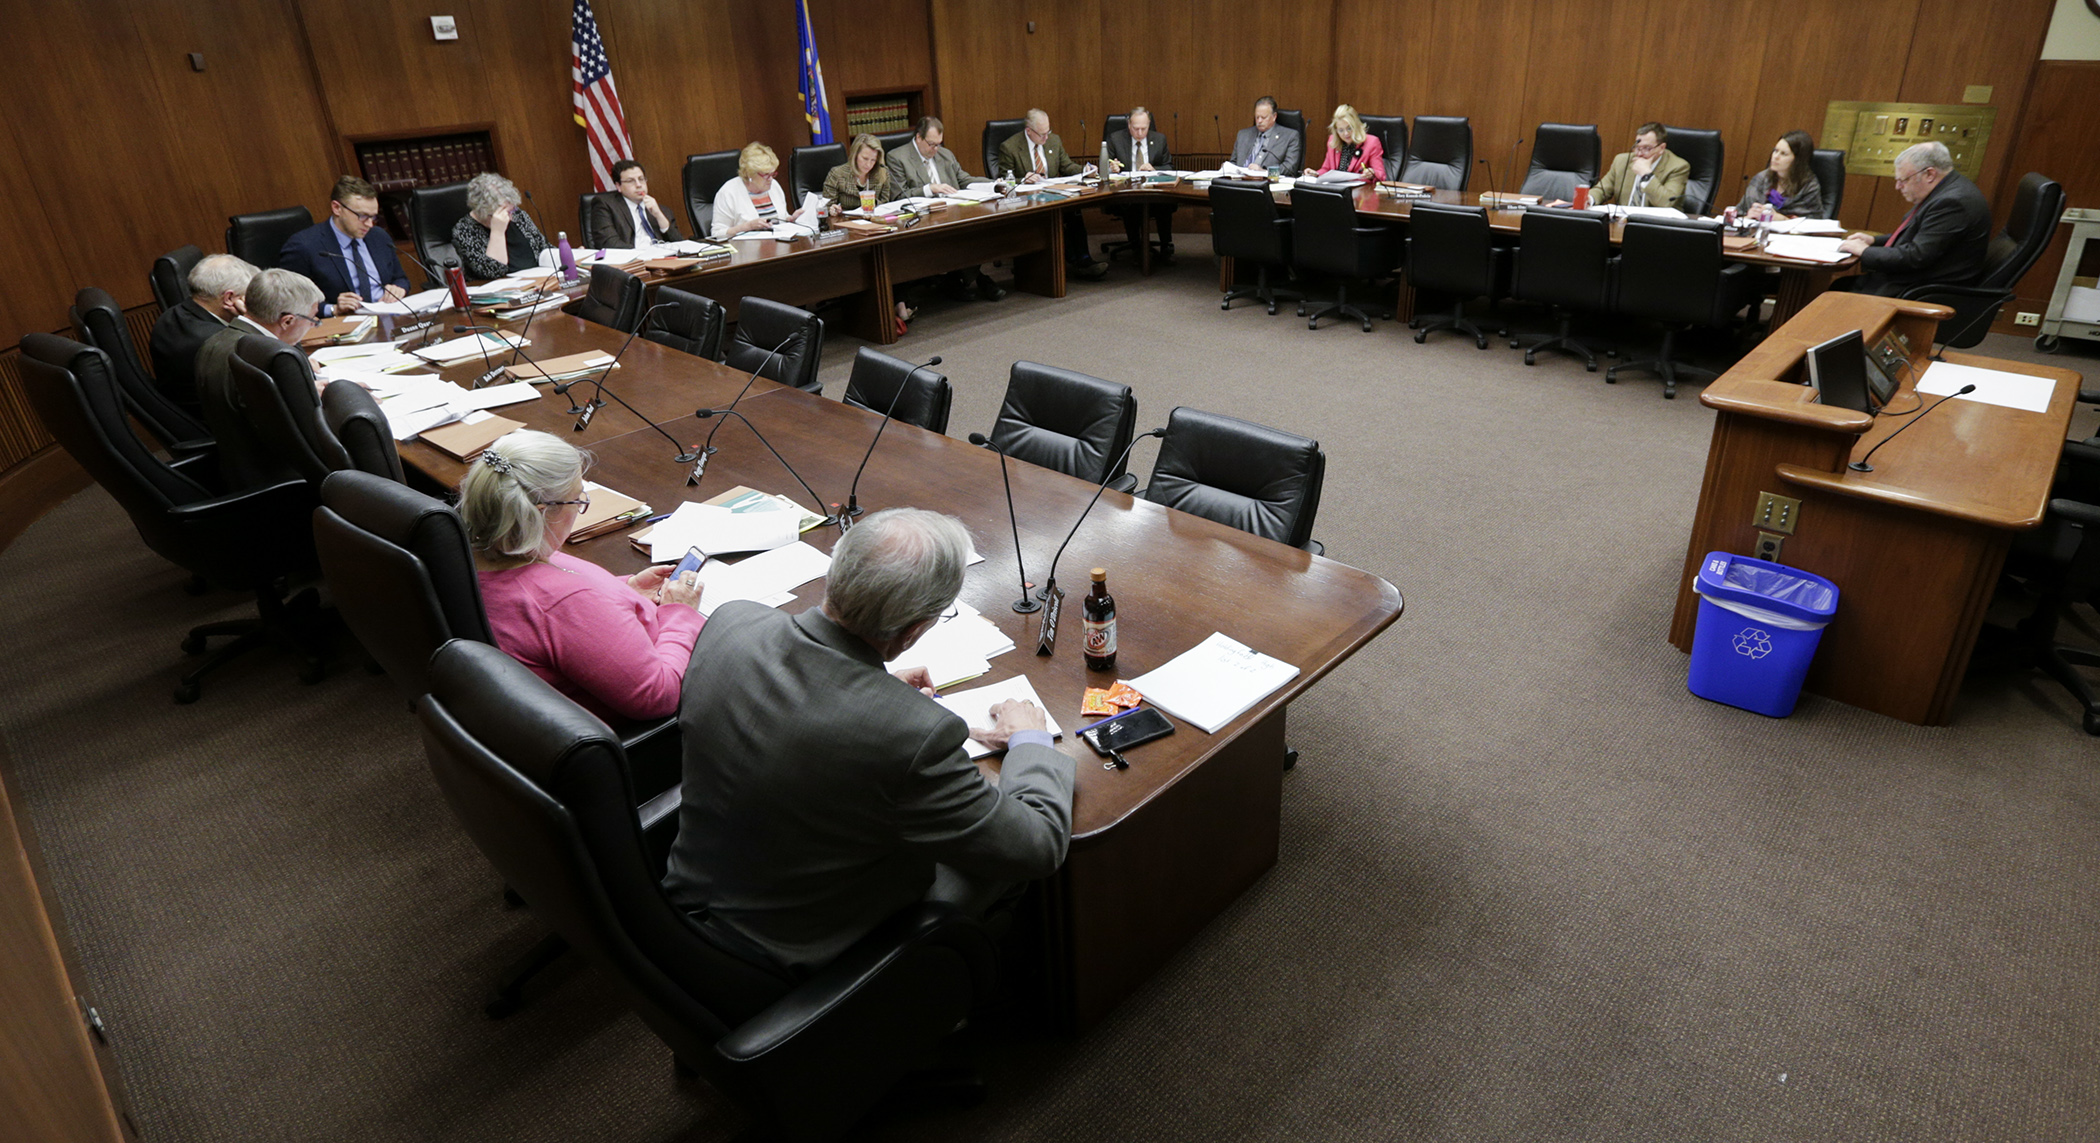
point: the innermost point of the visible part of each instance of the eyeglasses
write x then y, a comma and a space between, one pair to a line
307, 318
360, 215
582, 502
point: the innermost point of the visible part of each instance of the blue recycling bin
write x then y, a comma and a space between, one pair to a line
1759, 623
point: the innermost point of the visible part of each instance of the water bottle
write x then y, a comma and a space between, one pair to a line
568, 257
1103, 166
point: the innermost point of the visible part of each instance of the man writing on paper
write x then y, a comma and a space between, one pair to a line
217, 282
1266, 145
823, 794
1137, 149
921, 166
1037, 154
629, 217
1944, 238
278, 304
350, 258
1649, 175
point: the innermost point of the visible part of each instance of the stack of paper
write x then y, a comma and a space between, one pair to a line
476, 345
1807, 248
974, 707
1213, 682
1807, 226
1339, 176
975, 192
560, 368
769, 578
419, 303
719, 531
961, 646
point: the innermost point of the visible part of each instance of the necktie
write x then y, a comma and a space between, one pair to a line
1899, 227
1260, 142
641, 217
356, 258
1037, 148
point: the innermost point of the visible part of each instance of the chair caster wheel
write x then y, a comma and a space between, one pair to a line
2092, 723
1480, 343
186, 693
1421, 336
1290, 759
1529, 358
1227, 306
1590, 365
1611, 376
1272, 309
193, 644
1669, 394
1367, 327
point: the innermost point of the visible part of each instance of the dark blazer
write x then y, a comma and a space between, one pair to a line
1013, 156
1155, 150
177, 336
245, 459
1943, 241
1281, 148
612, 223
317, 253
820, 791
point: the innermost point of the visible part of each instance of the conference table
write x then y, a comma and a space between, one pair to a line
1158, 849
867, 269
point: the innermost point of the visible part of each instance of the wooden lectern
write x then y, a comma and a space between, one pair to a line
1916, 545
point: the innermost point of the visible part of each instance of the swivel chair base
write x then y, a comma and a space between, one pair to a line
1458, 321
1342, 305
2038, 648
279, 623
1563, 342
1664, 365
1260, 291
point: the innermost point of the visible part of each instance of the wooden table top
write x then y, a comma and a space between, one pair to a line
1177, 577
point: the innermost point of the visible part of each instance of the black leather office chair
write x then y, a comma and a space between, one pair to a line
1079, 425
779, 341
891, 140
98, 322
583, 215
1563, 155
1451, 251
283, 409
701, 177
247, 541
2037, 207
916, 396
614, 299
1246, 227
1671, 271
1829, 167
170, 277
692, 325
258, 238
354, 419
1564, 260
543, 790
2060, 564
996, 132
1706, 152
1111, 124
1248, 476
1440, 153
1391, 131
1295, 120
432, 212
807, 167
1329, 241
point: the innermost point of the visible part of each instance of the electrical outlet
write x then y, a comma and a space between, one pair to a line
1768, 546
2027, 319
1779, 513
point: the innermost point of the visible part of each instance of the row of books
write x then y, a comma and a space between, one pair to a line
401, 166
879, 117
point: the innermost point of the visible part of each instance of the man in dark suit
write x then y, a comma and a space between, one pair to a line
277, 304
922, 166
630, 217
1945, 237
1265, 144
1137, 149
1037, 154
217, 283
348, 256
821, 793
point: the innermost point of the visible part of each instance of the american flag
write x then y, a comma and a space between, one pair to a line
597, 104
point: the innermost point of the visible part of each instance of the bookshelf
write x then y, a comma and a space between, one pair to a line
881, 112
396, 164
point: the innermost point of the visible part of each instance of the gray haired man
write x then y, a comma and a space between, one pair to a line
1945, 238
216, 284
823, 794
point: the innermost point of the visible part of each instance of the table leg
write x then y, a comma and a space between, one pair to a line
1403, 299
871, 313
1129, 897
1043, 272
1798, 286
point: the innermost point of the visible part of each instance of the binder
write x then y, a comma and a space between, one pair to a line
463, 440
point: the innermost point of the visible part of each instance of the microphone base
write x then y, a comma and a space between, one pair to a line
1026, 605
1860, 466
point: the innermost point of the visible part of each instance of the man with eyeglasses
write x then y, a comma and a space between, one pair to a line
279, 305
1943, 240
1649, 175
630, 216
348, 256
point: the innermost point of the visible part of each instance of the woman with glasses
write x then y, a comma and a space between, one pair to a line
617, 646
496, 237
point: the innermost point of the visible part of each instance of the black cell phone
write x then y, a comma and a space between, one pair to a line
1121, 732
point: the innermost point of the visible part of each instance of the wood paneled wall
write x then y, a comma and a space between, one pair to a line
2062, 140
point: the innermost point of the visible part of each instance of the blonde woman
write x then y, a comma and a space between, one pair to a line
619, 647
751, 200
1350, 147
863, 170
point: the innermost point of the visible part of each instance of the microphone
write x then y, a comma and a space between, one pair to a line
707, 449
1026, 603
1493, 187
591, 407
1217, 133
1174, 134
1513, 162
1046, 635
493, 370
853, 493
703, 414
1861, 464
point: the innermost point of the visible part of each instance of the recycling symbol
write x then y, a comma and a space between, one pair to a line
1753, 642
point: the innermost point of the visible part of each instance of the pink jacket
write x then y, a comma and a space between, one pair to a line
1369, 161
591, 636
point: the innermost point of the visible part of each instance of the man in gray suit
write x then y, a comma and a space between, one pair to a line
921, 166
823, 794
1137, 149
277, 304
1265, 144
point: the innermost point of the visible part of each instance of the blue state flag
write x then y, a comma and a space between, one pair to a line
815, 107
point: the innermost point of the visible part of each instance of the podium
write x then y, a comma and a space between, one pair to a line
1916, 545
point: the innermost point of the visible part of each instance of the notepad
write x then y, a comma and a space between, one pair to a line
1213, 682
974, 707
464, 439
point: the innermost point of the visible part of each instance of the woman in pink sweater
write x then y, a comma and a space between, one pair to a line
617, 646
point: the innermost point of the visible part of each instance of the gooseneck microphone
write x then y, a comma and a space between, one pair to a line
598, 390
707, 448
853, 493
427, 321
1026, 603
704, 414
1861, 464
1050, 584
1513, 164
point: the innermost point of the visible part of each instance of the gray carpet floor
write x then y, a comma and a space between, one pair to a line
1530, 888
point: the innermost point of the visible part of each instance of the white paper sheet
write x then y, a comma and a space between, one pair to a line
494, 396
416, 303
1806, 247
766, 578
1808, 226
1213, 682
1993, 387
959, 647
715, 530
462, 348
407, 424
974, 706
